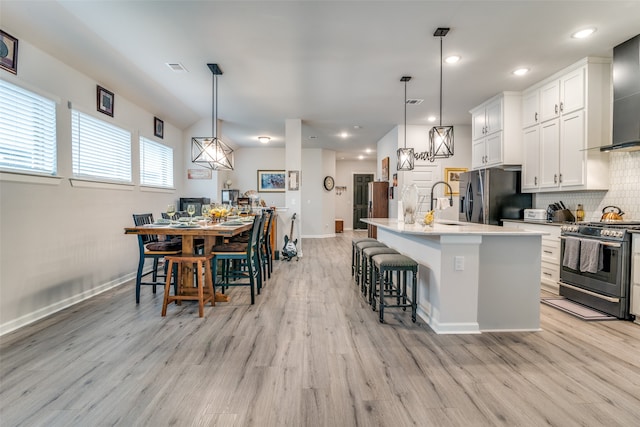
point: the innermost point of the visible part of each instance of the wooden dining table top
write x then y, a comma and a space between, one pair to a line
215, 229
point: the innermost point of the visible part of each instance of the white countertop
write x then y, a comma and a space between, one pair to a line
445, 227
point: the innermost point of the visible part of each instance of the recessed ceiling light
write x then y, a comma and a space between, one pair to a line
361, 157
521, 71
431, 118
452, 59
357, 127
344, 135
264, 139
583, 33
368, 150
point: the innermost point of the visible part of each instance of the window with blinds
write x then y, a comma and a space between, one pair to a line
100, 150
27, 131
156, 164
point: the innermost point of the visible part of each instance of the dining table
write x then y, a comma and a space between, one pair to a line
211, 232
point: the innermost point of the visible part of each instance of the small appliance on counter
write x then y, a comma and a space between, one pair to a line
535, 215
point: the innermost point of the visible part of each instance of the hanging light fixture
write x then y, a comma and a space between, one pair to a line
210, 151
440, 137
406, 159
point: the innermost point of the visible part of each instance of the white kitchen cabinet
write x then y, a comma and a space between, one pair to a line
531, 158
562, 95
496, 131
635, 278
571, 111
550, 252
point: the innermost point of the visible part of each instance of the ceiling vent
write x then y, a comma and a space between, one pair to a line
414, 101
176, 67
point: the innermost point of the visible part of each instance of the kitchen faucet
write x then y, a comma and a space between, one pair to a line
450, 192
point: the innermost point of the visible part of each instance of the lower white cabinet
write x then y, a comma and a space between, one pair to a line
635, 278
550, 251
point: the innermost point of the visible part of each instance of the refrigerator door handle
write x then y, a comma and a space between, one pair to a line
468, 202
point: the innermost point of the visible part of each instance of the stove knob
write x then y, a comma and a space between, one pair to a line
563, 228
575, 228
620, 233
604, 232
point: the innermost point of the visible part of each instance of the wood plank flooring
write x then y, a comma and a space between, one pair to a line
310, 352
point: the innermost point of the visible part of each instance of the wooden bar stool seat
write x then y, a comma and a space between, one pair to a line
204, 291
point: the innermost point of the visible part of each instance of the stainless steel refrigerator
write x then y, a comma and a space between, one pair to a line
489, 195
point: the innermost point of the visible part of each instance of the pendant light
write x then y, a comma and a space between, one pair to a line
211, 152
440, 137
406, 159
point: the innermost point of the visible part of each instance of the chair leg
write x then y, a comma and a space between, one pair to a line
208, 281
167, 289
200, 285
139, 279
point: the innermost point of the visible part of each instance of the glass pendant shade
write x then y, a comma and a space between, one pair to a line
441, 142
211, 153
406, 159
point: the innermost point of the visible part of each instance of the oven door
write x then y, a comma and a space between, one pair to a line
606, 290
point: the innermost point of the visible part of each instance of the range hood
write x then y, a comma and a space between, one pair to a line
626, 97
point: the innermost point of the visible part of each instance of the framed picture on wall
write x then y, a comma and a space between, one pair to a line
452, 177
271, 181
385, 169
294, 180
8, 52
158, 127
105, 101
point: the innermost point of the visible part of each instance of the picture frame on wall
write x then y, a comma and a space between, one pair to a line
385, 169
105, 100
294, 180
271, 181
158, 127
452, 177
8, 52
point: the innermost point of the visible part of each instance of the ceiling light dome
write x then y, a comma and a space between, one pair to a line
583, 33
520, 71
452, 59
264, 139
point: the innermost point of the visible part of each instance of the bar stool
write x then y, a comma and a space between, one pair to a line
384, 267
367, 268
182, 293
354, 242
359, 247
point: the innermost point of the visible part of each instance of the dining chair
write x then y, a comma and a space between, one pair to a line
265, 246
239, 261
150, 247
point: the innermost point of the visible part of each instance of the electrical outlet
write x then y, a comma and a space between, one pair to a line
458, 263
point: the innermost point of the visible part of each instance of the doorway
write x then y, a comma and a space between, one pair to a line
360, 198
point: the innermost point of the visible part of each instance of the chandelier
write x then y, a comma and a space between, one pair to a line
406, 158
211, 152
440, 137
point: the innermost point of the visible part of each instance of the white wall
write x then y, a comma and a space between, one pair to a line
59, 243
318, 205
345, 169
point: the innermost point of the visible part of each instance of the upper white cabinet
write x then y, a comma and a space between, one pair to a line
565, 119
497, 131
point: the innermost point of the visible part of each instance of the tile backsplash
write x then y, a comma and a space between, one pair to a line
624, 191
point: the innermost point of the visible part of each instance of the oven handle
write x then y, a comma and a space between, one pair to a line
613, 245
584, 291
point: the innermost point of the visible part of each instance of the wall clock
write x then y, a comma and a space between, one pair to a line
328, 183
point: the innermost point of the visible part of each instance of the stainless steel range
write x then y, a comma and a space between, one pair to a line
596, 265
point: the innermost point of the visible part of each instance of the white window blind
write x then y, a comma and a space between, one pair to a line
100, 150
27, 131
156, 164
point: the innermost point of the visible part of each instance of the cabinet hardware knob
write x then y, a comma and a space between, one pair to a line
560, 178
555, 178
535, 117
535, 180
561, 106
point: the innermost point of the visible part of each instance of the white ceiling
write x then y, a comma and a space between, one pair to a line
333, 64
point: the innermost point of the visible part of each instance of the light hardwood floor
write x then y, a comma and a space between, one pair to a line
310, 352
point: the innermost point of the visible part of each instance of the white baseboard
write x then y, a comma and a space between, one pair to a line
43, 312
320, 236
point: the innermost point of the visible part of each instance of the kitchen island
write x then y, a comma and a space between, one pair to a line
472, 278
